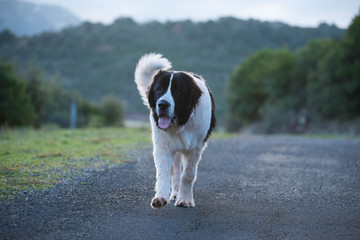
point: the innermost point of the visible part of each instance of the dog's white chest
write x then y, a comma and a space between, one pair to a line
176, 138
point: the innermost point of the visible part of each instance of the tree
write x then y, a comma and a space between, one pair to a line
349, 70
326, 96
334, 86
57, 106
245, 90
36, 89
265, 79
322, 78
15, 104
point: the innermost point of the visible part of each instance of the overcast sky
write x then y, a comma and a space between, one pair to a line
299, 12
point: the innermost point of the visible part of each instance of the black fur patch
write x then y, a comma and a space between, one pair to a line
213, 116
185, 92
186, 95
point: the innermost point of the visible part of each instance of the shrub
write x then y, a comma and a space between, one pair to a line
112, 110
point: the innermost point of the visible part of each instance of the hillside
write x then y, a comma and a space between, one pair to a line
97, 59
25, 18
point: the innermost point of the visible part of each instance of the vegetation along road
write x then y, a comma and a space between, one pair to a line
248, 187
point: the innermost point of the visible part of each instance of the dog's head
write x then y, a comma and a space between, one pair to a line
172, 97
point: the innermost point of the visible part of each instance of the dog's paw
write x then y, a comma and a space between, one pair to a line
185, 203
157, 202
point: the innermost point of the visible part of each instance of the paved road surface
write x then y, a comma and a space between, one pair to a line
248, 188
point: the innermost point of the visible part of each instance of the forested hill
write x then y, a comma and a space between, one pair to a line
98, 59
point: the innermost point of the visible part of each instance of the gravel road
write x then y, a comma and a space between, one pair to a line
249, 187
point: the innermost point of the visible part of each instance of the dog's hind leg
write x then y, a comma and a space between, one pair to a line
175, 176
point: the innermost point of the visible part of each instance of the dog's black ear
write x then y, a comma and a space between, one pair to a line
193, 95
150, 96
150, 91
187, 101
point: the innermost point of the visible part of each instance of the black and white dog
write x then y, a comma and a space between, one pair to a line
182, 116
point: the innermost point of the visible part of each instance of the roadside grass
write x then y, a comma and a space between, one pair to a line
38, 159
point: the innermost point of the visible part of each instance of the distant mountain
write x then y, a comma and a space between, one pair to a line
23, 18
97, 59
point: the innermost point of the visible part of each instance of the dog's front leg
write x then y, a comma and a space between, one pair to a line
163, 160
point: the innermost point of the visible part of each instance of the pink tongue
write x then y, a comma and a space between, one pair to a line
164, 122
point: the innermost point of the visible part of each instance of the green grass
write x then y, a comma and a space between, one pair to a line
37, 159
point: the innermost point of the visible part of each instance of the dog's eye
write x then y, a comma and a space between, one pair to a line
159, 90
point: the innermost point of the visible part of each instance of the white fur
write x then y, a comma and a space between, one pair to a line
177, 151
169, 98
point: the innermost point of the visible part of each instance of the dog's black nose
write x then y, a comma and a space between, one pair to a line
163, 105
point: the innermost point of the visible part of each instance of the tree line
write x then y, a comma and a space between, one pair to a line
288, 90
96, 59
33, 99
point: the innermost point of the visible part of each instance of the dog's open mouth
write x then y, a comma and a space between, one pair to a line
164, 121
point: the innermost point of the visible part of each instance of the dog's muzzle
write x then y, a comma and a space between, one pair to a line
165, 118
163, 105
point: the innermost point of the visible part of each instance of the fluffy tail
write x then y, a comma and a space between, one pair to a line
147, 66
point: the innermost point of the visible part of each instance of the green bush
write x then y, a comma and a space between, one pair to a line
112, 111
89, 114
